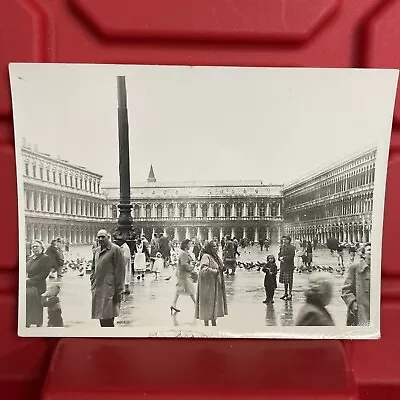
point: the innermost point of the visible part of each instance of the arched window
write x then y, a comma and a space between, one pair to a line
114, 211
34, 170
250, 210
70, 181
216, 210
136, 212
182, 211
26, 169
193, 210
227, 210
171, 213
274, 210
239, 210
204, 209
148, 211
159, 211
41, 173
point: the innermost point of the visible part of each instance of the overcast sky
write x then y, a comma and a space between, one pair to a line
203, 123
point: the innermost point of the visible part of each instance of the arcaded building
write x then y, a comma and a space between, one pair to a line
66, 200
205, 210
61, 200
336, 201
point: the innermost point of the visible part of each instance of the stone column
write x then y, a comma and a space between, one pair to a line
256, 233
256, 211
198, 210
31, 200
187, 211
221, 210
152, 234
233, 211
176, 234
279, 233
39, 208
46, 204
187, 233
244, 232
209, 234
233, 233
268, 210
165, 211
210, 211
279, 209
141, 232
244, 210
198, 232
221, 234
165, 232
142, 211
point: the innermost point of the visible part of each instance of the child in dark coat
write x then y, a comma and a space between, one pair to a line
270, 269
52, 302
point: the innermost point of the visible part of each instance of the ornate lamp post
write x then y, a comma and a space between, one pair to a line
125, 221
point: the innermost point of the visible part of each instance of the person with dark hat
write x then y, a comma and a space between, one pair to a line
286, 257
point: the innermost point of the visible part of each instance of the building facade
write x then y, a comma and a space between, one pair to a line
61, 200
204, 210
335, 202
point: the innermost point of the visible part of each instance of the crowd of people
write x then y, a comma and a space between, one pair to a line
205, 263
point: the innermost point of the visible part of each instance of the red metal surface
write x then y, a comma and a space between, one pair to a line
315, 33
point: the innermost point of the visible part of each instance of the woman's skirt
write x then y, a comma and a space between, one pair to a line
286, 276
185, 286
34, 308
140, 262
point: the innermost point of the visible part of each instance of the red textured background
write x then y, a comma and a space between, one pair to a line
312, 33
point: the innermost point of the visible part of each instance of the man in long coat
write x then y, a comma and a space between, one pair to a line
356, 289
107, 279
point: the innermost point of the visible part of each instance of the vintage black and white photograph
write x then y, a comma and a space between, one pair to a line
174, 201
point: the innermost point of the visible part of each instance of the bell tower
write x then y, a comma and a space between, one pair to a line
151, 177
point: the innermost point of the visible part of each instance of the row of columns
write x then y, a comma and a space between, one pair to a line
209, 236
44, 202
72, 234
220, 211
349, 233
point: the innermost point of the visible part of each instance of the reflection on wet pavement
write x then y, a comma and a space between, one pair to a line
148, 305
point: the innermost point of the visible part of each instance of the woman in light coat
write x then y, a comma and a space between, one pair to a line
211, 295
184, 284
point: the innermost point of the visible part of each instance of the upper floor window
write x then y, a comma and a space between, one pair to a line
136, 212
204, 210
239, 210
159, 211
171, 211
48, 175
26, 169
227, 210
262, 211
34, 171
66, 179
60, 178
215, 210
70, 181
250, 211
182, 211
54, 176
148, 211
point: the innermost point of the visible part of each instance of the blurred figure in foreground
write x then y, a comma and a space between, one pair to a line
356, 289
318, 296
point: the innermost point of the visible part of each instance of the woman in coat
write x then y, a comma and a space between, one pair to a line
318, 296
211, 295
184, 284
37, 269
